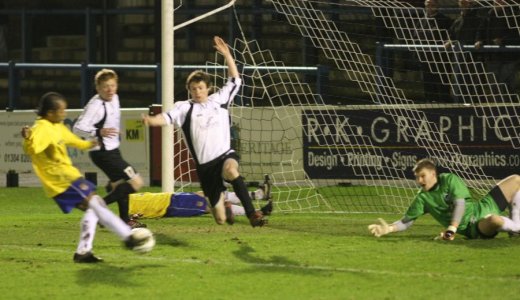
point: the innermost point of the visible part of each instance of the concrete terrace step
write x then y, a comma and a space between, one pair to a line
143, 86
4, 83
137, 29
133, 57
143, 43
50, 84
136, 3
66, 41
64, 74
136, 19
58, 54
180, 57
286, 42
145, 75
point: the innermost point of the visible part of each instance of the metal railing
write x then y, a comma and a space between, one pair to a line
383, 49
85, 69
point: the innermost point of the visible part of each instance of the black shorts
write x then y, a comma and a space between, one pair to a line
210, 176
112, 164
499, 198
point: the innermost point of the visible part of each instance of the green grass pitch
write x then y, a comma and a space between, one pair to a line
297, 256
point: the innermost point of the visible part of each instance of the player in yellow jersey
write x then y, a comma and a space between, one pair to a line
46, 143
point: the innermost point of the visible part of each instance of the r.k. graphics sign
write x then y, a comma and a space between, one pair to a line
347, 143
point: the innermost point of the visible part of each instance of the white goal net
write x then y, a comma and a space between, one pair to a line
347, 157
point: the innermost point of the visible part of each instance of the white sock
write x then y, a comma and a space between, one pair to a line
515, 207
232, 197
108, 219
88, 231
238, 210
509, 225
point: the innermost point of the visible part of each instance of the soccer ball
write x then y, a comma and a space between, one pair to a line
145, 238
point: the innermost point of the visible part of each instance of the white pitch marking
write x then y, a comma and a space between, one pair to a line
295, 267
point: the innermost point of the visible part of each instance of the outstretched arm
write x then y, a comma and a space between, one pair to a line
153, 121
223, 48
378, 230
75, 141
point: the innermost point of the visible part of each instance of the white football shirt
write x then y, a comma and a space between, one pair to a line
92, 114
209, 132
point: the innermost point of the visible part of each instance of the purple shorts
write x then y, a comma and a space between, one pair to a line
186, 205
75, 194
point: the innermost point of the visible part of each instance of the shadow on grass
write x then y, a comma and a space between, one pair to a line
276, 263
501, 241
321, 225
116, 276
168, 240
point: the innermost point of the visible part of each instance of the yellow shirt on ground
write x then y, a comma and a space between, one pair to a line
47, 147
149, 205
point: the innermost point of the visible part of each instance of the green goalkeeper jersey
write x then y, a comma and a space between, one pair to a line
439, 201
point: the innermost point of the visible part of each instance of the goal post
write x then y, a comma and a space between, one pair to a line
167, 92
167, 84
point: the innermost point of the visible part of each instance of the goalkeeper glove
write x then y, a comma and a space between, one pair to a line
379, 230
449, 234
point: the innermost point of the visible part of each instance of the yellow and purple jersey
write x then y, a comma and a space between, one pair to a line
157, 205
47, 147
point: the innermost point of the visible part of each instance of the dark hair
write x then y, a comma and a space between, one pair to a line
424, 163
48, 102
197, 76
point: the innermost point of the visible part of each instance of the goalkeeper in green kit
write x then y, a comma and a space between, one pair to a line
447, 198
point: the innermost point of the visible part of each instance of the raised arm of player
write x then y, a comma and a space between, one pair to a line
223, 48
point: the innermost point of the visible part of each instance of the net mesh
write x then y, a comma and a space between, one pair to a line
282, 125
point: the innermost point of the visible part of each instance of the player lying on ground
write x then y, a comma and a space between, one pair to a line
157, 205
46, 143
205, 122
447, 198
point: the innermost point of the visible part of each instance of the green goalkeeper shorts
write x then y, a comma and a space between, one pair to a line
486, 206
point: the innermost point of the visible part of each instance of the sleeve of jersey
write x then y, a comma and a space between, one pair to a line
415, 210
177, 114
84, 126
38, 141
73, 140
228, 92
